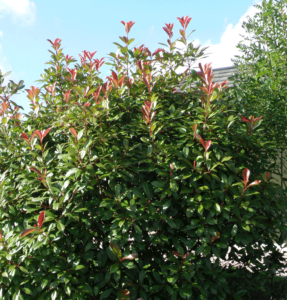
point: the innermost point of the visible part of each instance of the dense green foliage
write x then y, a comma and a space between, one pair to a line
138, 190
260, 82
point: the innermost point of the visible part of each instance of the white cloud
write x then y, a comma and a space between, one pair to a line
22, 10
220, 54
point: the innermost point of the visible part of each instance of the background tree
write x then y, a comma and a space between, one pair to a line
260, 86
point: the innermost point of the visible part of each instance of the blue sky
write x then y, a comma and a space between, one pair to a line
94, 25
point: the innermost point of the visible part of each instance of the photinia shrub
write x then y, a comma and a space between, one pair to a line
137, 187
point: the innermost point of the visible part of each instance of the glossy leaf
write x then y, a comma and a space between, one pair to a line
130, 256
27, 231
245, 174
41, 219
116, 249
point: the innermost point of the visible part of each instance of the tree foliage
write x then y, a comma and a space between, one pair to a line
128, 189
260, 82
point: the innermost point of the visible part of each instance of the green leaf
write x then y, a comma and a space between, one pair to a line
217, 207
54, 295
23, 270
245, 227
118, 190
200, 209
159, 184
211, 221
172, 109
78, 90
60, 226
185, 151
44, 283
137, 192
149, 149
88, 246
234, 230
141, 276
27, 291
171, 223
80, 134
126, 144
114, 268
199, 249
226, 158
96, 290
79, 267
73, 171
215, 251
116, 249
67, 290
147, 190
173, 185
106, 293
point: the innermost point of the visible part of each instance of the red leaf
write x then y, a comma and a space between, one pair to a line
246, 174
96, 94
245, 119
256, 182
67, 95
205, 145
128, 25
223, 84
37, 133
73, 73
158, 50
121, 81
36, 171
267, 175
50, 42
41, 219
50, 89
176, 253
74, 132
115, 76
27, 231
86, 91
208, 144
146, 83
87, 104
25, 137
184, 21
257, 119
125, 292
215, 238
45, 133
0, 234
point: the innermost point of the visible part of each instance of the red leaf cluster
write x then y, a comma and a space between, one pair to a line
128, 25
41, 220
246, 174
252, 120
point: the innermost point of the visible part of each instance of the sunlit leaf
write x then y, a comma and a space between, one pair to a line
27, 231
